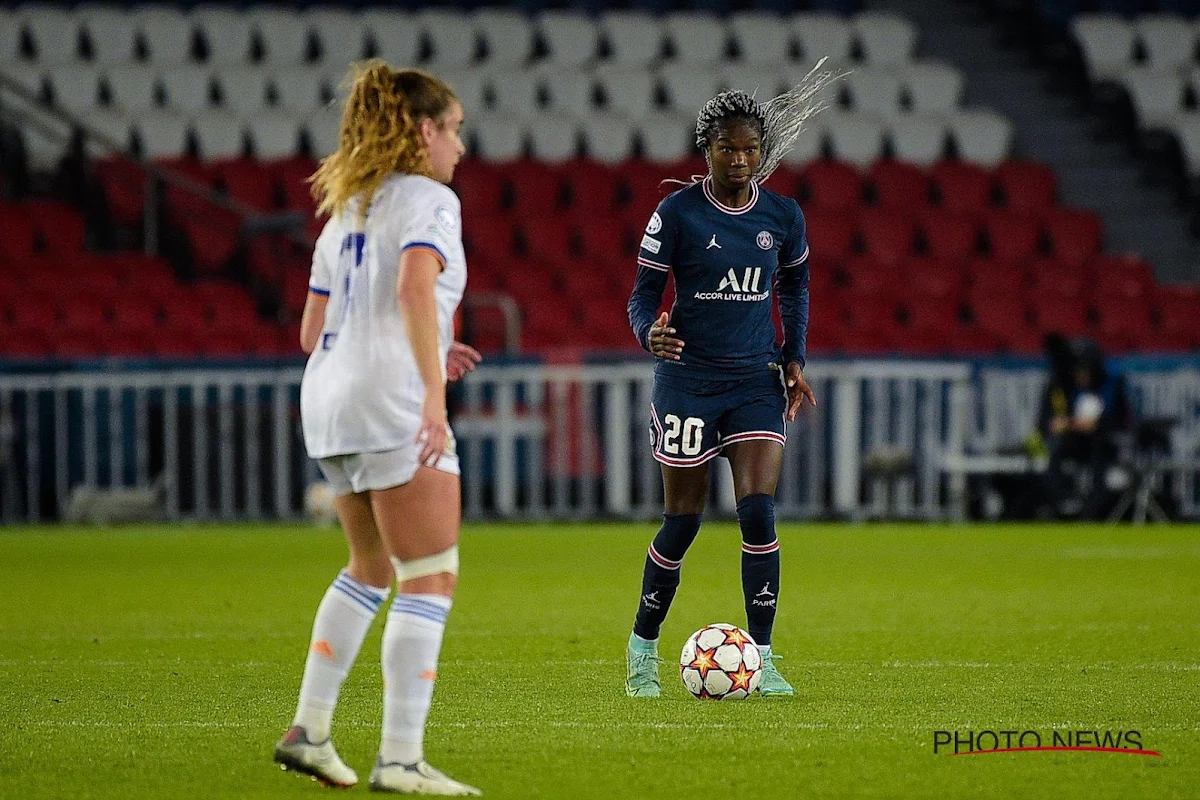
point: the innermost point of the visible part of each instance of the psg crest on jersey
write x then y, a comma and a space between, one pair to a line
765, 241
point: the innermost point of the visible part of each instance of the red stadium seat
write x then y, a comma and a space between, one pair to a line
291, 177
1075, 234
869, 279
1176, 312
481, 188
123, 184
962, 187
1012, 236
71, 345
1056, 314
247, 182
1026, 186
829, 232
537, 188
547, 237
830, 184
643, 188
127, 343
34, 314
176, 343
82, 315
785, 181
493, 235
1123, 324
1004, 314
898, 185
135, 314
184, 204
1118, 277
212, 235
24, 344
18, 236
606, 237
934, 281
591, 188
950, 237
888, 235
1052, 278
59, 226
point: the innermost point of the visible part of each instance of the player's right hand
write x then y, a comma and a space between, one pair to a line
663, 343
432, 436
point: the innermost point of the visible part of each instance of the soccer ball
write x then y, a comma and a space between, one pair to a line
720, 662
318, 503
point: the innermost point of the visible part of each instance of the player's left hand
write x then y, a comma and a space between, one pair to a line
798, 390
461, 359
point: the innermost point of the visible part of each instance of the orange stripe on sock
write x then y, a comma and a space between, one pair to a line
429, 675
323, 649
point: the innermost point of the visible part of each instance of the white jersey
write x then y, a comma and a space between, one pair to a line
361, 391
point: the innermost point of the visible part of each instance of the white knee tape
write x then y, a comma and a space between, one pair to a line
445, 561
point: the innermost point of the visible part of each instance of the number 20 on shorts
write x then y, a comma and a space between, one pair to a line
682, 435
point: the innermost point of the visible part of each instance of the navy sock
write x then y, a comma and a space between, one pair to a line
660, 576
760, 564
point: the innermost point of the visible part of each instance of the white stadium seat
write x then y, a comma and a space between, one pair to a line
666, 137
507, 35
10, 37
516, 92
1106, 42
570, 91
571, 38
1187, 130
1169, 41
918, 139
162, 134
627, 92
111, 34
113, 125
274, 135
243, 90
874, 91
821, 34
697, 37
324, 133
932, 87
763, 83
187, 89
471, 86
219, 136
554, 138
166, 33
688, 88
452, 38
810, 144
283, 33
1157, 95
397, 36
55, 33
29, 77
498, 137
43, 152
132, 87
887, 39
856, 138
341, 35
75, 88
634, 38
226, 34
608, 138
299, 90
982, 137
762, 38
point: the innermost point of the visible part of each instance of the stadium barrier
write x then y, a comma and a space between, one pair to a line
536, 442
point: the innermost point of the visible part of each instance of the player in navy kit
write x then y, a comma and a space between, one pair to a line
722, 385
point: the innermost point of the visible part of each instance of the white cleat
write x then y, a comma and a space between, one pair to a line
319, 761
418, 778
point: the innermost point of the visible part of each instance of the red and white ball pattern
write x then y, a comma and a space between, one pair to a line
720, 662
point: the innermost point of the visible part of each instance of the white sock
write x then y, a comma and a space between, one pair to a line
412, 640
343, 619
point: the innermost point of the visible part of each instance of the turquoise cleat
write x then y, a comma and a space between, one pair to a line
641, 679
772, 683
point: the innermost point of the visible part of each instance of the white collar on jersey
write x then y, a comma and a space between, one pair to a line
707, 184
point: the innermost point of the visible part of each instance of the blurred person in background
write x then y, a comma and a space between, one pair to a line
722, 384
388, 273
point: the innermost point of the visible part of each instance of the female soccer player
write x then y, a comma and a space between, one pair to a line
388, 273
721, 385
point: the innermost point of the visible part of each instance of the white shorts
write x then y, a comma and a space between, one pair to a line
363, 472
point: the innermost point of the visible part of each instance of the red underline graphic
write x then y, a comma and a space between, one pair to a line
1061, 749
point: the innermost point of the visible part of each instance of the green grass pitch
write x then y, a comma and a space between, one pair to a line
165, 662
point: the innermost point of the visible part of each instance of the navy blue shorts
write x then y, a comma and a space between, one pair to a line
693, 419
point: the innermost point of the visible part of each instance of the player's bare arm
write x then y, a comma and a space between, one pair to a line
419, 269
312, 321
461, 360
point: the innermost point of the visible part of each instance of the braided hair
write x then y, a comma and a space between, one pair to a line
780, 120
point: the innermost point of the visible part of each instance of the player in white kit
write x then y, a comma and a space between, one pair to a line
388, 273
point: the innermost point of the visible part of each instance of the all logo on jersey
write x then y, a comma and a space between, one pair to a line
655, 223
765, 240
749, 282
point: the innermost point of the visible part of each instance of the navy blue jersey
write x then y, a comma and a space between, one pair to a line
726, 263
